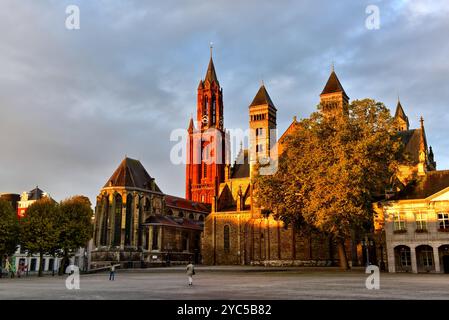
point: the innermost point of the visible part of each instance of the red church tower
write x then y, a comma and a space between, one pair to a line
206, 145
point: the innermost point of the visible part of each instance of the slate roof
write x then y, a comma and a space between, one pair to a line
181, 203
175, 222
411, 140
131, 174
35, 194
333, 85
425, 186
262, 97
211, 75
240, 169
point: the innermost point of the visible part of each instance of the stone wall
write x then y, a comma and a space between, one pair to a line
256, 240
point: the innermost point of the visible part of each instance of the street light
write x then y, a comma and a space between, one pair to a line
367, 243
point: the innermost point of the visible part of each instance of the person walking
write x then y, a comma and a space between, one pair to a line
7, 266
190, 272
112, 272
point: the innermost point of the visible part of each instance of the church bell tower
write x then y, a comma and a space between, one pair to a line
206, 145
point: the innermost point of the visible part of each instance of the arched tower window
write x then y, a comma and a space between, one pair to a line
226, 240
213, 109
191, 216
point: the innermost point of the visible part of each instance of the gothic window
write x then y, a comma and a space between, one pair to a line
154, 245
191, 216
104, 227
117, 219
205, 106
204, 170
226, 240
129, 219
201, 218
181, 214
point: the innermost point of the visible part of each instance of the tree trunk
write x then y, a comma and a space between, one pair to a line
342, 254
41, 264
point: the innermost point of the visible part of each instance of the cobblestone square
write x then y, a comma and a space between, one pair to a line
231, 283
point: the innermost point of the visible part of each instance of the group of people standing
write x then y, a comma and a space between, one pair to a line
11, 270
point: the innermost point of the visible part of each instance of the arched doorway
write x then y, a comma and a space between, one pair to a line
424, 256
403, 259
444, 257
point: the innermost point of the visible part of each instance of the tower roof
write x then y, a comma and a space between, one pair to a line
131, 174
262, 97
191, 125
210, 74
400, 114
35, 194
333, 85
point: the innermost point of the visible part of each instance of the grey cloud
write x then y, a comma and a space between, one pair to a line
73, 103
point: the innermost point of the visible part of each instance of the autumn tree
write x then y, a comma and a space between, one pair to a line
39, 229
75, 224
333, 167
9, 230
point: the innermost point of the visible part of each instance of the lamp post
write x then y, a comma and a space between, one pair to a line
367, 243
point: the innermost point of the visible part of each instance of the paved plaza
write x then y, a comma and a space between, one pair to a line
231, 283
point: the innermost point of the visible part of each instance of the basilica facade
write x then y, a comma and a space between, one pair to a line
237, 232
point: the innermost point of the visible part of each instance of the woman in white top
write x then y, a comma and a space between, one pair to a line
190, 272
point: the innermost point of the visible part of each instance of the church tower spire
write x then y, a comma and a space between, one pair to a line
333, 98
210, 99
207, 144
400, 118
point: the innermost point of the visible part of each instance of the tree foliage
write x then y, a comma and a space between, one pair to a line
9, 229
75, 223
332, 169
39, 228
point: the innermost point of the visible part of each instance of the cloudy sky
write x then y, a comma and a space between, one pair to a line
73, 103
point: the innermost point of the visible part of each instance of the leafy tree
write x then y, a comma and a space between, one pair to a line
39, 229
9, 230
75, 223
332, 169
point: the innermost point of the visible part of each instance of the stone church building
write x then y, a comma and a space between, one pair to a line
137, 225
237, 232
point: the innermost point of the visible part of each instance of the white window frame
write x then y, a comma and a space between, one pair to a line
399, 224
421, 221
443, 221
